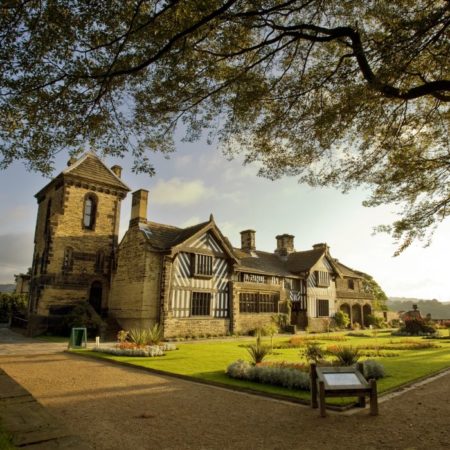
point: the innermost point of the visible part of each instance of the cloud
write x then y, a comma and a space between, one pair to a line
179, 192
17, 213
16, 254
191, 221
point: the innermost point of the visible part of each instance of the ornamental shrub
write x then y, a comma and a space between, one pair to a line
153, 350
342, 320
154, 334
278, 376
418, 326
375, 321
138, 336
313, 352
347, 356
257, 352
373, 369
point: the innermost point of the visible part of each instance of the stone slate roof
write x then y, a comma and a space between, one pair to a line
302, 261
164, 237
346, 271
90, 167
262, 262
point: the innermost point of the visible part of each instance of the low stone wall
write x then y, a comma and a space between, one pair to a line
317, 324
196, 327
248, 322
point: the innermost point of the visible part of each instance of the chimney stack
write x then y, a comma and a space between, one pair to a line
285, 244
117, 170
139, 207
321, 245
248, 243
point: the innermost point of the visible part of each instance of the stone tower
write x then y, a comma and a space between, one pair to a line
76, 238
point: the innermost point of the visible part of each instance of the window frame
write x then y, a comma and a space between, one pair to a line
319, 309
203, 309
322, 278
202, 265
92, 214
258, 302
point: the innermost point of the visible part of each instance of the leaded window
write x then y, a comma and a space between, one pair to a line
201, 304
202, 265
89, 212
323, 308
322, 278
257, 302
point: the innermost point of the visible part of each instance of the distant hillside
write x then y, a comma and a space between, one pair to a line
437, 309
7, 287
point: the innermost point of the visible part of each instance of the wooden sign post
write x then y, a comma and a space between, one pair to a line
341, 382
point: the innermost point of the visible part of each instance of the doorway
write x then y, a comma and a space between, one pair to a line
95, 296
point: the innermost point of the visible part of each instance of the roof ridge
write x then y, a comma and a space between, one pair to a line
164, 225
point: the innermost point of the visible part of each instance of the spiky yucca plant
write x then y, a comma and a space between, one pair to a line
154, 334
347, 355
257, 352
138, 336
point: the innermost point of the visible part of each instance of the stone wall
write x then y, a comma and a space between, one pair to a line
195, 326
248, 322
53, 282
135, 291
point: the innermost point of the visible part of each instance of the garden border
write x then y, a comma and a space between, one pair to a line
337, 408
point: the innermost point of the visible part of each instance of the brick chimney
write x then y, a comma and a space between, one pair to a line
139, 207
248, 243
117, 170
285, 244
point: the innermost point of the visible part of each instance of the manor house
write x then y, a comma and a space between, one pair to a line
190, 280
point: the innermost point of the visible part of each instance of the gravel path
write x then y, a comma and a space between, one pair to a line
114, 407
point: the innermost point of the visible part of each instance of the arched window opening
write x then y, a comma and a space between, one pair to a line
89, 212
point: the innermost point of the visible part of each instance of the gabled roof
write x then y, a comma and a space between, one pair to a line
164, 237
347, 271
168, 238
90, 166
262, 262
303, 261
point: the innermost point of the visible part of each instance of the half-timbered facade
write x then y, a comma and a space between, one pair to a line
191, 281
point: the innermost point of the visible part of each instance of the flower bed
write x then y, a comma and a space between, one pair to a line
290, 375
128, 349
278, 376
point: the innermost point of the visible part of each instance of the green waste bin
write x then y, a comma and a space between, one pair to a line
78, 338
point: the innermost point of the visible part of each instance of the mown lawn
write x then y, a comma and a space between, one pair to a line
208, 360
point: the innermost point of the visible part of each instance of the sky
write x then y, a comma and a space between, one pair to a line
198, 180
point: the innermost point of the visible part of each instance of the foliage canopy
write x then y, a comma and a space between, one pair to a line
340, 93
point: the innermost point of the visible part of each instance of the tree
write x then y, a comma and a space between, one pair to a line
340, 93
372, 287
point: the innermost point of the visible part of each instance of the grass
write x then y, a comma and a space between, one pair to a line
207, 361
